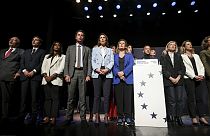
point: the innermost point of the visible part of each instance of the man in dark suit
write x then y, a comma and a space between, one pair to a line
10, 71
77, 71
31, 63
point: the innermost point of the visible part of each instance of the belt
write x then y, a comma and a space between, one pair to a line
81, 68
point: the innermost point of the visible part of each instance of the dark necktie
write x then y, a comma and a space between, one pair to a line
79, 56
8, 53
33, 51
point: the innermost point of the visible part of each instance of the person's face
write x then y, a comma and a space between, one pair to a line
79, 37
36, 42
57, 47
152, 53
172, 47
113, 49
102, 40
147, 50
188, 46
130, 49
121, 45
13, 42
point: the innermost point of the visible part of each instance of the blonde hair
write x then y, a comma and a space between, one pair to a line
126, 45
166, 48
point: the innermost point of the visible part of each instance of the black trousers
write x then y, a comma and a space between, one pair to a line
174, 100
196, 97
123, 97
7, 96
101, 84
51, 100
34, 88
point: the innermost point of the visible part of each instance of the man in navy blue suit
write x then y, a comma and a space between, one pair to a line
31, 63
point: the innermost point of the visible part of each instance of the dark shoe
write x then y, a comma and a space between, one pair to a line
203, 122
128, 121
53, 121
91, 118
195, 124
45, 121
179, 121
106, 118
120, 122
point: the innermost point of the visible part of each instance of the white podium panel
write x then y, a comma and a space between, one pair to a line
149, 96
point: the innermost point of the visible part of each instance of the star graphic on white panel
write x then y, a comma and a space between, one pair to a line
144, 106
142, 83
165, 119
153, 115
150, 75
140, 94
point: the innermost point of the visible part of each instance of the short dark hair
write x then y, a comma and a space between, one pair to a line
80, 31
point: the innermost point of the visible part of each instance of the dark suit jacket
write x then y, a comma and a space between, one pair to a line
168, 69
10, 65
71, 60
32, 61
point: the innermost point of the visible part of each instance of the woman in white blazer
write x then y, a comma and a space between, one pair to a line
102, 63
194, 85
52, 72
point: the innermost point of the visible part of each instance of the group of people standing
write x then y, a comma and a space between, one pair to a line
185, 70
111, 73
76, 68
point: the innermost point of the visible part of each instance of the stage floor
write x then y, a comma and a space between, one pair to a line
76, 129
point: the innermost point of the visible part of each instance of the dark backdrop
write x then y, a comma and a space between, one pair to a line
59, 19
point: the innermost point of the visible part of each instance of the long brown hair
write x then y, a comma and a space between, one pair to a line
107, 41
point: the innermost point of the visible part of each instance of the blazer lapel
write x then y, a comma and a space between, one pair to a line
107, 51
117, 60
83, 52
188, 60
54, 61
169, 59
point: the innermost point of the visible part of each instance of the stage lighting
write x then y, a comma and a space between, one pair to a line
86, 8
148, 13
154, 5
87, 16
100, 8
138, 6
77, 1
131, 15
89, 0
196, 11
163, 13
114, 15
101, 16
118, 7
105, 0
192, 3
173, 3
179, 11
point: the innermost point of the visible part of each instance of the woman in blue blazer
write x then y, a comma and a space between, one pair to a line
102, 63
123, 82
